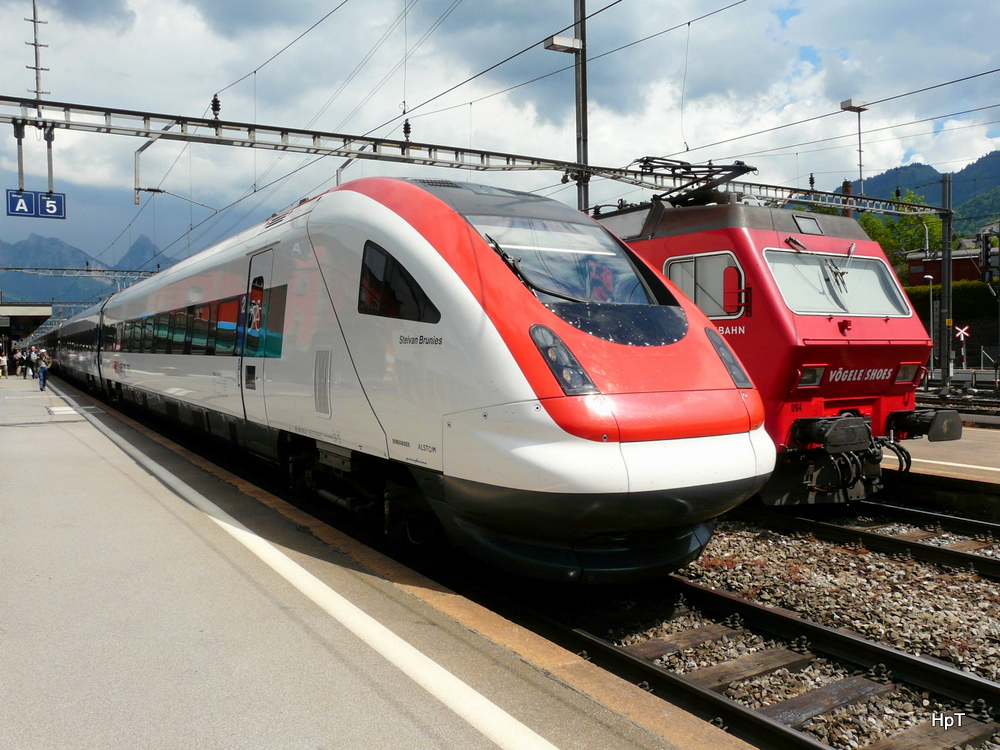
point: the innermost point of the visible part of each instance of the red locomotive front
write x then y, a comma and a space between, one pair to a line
813, 309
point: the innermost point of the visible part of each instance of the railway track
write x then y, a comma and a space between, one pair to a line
924, 538
985, 403
959, 705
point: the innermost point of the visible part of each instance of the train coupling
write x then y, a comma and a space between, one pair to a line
841, 434
937, 424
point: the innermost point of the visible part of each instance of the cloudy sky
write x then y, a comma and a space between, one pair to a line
755, 80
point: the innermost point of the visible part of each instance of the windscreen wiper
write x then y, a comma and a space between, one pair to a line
515, 265
838, 274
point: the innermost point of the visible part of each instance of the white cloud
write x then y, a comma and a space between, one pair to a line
757, 66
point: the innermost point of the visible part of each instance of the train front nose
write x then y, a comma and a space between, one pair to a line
708, 476
548, 505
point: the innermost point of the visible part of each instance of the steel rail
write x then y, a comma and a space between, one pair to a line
931, 675
956, 524
736, 718
986, 566
748, 723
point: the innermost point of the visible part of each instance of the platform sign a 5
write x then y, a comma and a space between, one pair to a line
36, 205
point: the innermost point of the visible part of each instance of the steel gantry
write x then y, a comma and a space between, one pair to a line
91, 273
654, 174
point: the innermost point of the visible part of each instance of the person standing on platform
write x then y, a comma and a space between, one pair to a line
3, 364
16, 364
33, 362
42, 368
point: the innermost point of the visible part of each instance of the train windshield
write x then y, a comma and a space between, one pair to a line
580, 272
813, 283
566, 260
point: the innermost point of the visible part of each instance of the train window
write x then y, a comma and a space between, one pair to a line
178, 331
161, 333
388, 290
148, 328
702, 279
255, 325
213, 325
199, 317
109, 337
225, 336
818, 284
135, 340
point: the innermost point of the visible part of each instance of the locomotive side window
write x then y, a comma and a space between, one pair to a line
388, 290
702, 279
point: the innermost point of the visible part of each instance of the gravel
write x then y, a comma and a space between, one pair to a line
950, 615
946, 614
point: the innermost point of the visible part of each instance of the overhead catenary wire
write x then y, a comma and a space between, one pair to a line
836, 112
283, 49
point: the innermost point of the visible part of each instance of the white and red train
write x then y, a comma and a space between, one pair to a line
814, 311
428, 349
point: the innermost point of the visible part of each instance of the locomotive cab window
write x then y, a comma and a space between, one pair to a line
702, 278
827, 284
388, 290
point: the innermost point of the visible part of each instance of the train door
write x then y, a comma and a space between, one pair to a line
253, 375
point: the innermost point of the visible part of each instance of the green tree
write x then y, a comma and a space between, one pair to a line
899, 235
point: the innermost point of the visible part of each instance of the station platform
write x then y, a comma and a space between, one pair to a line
975, 457
149, 600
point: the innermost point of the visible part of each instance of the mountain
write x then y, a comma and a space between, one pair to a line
49, 252
143, 256
975, 190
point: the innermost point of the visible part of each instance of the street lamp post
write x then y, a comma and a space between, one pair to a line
856, 105
578, 46
930, 320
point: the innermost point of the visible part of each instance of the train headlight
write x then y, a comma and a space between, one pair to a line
573, 379
811, 376
907, 373
736, 371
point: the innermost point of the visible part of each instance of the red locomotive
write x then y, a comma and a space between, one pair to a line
814, 311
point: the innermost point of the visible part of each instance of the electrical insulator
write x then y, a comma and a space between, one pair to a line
216, 106
406, 129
